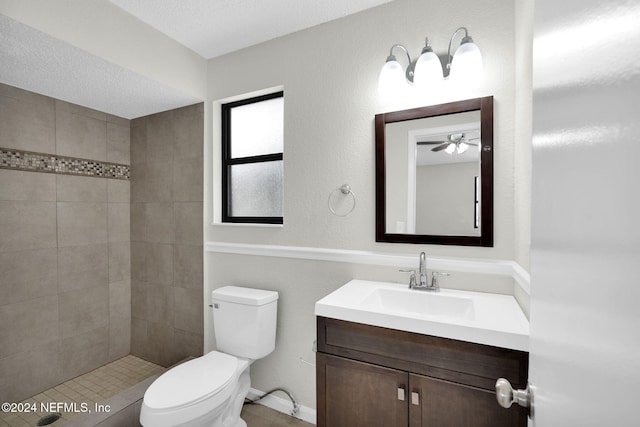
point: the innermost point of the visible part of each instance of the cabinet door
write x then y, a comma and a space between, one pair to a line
357, 394
441, 403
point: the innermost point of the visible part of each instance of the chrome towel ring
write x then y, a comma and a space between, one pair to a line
334, 199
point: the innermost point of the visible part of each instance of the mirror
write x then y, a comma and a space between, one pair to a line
434, 174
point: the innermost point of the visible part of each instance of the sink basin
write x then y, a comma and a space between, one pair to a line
479, 317
419, 303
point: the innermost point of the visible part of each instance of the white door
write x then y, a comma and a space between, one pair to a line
585, 259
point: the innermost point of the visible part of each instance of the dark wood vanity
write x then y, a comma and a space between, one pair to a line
369, 376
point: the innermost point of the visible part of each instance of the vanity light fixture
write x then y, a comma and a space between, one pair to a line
464, 66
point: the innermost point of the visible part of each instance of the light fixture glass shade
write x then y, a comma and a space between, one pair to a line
391, 78
428, 70
462, 147
467, 63
450, 148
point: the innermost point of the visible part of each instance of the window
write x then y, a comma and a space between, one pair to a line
252, 147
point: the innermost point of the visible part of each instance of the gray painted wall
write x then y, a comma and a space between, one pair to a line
329, 74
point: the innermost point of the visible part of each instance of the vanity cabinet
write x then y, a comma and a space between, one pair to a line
368, 376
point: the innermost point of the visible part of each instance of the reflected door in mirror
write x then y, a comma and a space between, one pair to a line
434, 174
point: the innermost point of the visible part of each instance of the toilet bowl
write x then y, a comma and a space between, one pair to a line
210, 390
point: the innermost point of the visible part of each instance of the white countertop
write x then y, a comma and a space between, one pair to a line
483, 318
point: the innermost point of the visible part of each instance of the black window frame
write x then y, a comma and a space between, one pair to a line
228, 162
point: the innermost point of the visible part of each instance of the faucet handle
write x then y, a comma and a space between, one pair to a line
434, 278
412, 277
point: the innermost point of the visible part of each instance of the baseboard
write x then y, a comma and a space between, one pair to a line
283, 405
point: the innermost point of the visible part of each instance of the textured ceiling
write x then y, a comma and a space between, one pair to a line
37, 62
33, 60
215, 27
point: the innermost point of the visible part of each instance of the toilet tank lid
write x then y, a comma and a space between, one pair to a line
246, 296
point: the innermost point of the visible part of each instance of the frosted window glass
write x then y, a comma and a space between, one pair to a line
256, 189
257, 128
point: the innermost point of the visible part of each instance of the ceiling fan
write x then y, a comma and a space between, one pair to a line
455, 142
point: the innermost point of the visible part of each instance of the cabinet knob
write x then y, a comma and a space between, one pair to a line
506, 395
400, 393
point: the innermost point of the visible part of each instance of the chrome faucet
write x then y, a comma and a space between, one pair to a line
421, 281
423, 270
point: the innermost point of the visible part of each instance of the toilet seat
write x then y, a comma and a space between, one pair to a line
194, 387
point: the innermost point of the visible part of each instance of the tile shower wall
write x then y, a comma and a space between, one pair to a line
166, 235
64, 246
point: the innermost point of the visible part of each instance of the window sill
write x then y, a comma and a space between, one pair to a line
246, 224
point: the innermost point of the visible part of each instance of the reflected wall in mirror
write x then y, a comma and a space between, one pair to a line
434, 174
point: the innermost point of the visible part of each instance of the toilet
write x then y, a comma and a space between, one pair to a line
210, 390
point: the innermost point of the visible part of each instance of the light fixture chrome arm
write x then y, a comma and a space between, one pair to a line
409, 69
465, 39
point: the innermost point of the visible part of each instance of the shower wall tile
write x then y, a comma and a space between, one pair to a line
85, 352
118, 141
119, 337
29, 372
188, 310
27, 225
119, 261
189, 132
160, 304
65, 296
120, 299
158, 184
28, 274
83, 310
166, 235
21, 185
188, 266
81, 189
139, 337
187, 180
160, 263
28, 324
81, 223
27, 121
138, 299
187, 344
67, 107
159, 137
139, 141
81, 267
159, 221
188, 223
118, 222
139, 261
118, 191
81, 136
138, 222
160, 343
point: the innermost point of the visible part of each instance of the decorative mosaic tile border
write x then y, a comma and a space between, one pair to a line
51, 163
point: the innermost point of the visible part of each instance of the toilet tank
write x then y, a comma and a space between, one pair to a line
244, 321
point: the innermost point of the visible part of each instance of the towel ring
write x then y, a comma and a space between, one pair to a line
346, 190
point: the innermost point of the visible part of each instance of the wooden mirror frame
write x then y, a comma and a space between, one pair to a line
485, 105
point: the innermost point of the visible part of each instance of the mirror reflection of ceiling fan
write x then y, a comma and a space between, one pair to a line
456, 142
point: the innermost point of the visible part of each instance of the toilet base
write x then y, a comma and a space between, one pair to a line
231, 415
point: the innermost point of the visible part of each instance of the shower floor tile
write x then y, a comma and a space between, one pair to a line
88, 389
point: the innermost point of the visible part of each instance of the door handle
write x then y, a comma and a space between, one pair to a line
506, 395
400, 393
415, 398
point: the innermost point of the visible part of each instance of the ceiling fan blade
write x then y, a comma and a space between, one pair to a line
441, 146
430, 142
